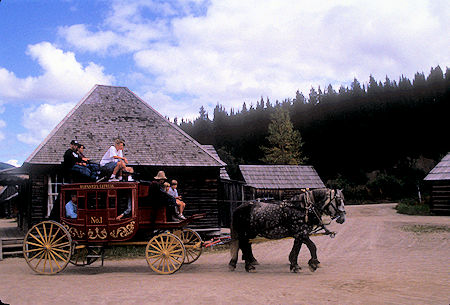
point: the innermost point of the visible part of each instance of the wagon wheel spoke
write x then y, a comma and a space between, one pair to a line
54, 236
37, 239
52, 246
41, 251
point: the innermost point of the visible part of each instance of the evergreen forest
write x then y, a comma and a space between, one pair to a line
377, 140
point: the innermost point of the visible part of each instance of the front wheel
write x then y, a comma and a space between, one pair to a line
47, 247
165, 253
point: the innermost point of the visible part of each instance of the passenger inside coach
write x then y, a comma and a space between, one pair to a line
71, 207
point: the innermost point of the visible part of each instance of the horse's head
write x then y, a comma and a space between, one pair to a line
334, 205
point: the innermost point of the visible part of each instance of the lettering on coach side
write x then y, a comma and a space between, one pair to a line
96, 186
96, 220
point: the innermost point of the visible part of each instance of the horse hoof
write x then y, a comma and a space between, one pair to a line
295, 269
250, 268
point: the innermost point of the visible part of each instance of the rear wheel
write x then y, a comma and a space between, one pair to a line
47, 247
165, 253
192, 243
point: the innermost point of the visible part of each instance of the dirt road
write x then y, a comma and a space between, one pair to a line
372, 260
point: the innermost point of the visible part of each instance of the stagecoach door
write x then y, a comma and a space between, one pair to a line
96, 215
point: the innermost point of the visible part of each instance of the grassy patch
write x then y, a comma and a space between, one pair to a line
412, 208
423, 229
123, 252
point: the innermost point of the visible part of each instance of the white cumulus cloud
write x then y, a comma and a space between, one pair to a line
64, 78
39, 121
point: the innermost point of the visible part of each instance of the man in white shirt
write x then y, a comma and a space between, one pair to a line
115, 163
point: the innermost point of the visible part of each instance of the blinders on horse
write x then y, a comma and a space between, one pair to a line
335, 201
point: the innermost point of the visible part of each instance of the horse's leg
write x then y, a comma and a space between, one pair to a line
234, 250
293, 256
246, 248
252, 259
313, 262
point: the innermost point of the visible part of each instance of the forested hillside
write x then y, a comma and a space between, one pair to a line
386, 132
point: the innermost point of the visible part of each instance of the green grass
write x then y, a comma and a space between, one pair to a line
424, 229
412, 208
124, 252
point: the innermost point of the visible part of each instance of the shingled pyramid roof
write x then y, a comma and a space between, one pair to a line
107, 113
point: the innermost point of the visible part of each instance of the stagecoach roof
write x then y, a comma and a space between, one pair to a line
281, 176
109, 112
441, 171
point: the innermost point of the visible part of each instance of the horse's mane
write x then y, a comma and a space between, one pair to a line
315, 195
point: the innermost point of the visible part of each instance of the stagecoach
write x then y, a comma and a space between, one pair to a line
49, 245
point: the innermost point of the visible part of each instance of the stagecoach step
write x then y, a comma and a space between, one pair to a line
100, 253
10, 246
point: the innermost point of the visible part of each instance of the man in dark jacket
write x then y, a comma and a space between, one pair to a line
73, 161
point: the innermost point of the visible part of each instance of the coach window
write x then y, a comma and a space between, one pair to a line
101, 200
91, 200
81, 200
124, 201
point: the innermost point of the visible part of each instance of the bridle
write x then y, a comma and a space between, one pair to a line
333, 195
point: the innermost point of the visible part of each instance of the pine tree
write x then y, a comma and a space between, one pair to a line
285, 142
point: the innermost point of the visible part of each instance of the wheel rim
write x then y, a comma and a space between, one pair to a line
192, 243
165, 253
47, 247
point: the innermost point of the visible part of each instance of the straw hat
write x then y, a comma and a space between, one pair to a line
161, 175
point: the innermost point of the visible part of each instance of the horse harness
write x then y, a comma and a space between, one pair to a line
310, 208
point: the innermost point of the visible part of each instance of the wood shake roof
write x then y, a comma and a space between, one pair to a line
107, 113
441, 171
212, 151
281, 176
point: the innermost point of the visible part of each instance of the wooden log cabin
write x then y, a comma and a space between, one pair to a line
152, 144
278, 182
438, 181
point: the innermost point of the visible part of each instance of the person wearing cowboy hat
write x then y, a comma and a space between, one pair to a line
161, 198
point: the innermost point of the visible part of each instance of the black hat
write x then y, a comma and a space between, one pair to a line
74, 142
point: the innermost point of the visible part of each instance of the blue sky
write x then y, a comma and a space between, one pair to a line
180, 55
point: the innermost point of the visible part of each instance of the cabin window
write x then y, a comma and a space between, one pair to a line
53, 189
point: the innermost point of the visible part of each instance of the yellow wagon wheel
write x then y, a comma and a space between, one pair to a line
165, 253
192, 243
47, 247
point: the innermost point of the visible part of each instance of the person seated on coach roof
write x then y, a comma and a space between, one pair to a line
73, 162
93, 167
114, 163
71, 207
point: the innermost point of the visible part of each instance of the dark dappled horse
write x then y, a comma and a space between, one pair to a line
295, 218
